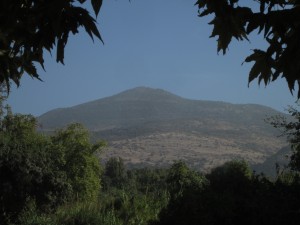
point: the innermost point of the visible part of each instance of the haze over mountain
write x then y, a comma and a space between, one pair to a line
154, 127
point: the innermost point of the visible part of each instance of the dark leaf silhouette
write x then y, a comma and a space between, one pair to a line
29, 27
278, 21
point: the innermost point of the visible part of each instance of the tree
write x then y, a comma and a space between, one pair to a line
47, 171
290, 129
278, 20
114, 173
29, 169
233, 175
29, 27
184, 186
181, 178
80, 162
233, 195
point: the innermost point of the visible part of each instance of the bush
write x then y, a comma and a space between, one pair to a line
48, 171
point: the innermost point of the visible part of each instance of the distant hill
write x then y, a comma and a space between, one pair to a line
154, 127
268, 167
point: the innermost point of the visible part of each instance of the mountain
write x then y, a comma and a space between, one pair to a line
154, 127
125, 109
268, 167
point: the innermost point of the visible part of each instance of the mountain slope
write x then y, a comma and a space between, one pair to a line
142, 105
126, 108
154, 127
268, 167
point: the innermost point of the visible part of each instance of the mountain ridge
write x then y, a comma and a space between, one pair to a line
153, 99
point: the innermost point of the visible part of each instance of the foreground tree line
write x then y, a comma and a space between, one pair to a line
58, 179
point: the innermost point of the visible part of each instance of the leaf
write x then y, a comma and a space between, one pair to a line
261, 68
252, 25
276, 74
89, 24
31, 70
204, 13
215, 30
243, 12
94, 29
262, 6
60, 51
201, 3
267, 30
254, 72
224, 41
261, 27
96, 6
233, 1
291, 84
266, 73
220, 29
255, 56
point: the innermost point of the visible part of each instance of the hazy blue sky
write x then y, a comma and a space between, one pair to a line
157, 43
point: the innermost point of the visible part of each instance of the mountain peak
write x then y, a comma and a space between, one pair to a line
146, 105
146, 94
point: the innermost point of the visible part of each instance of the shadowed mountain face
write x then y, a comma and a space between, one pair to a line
125, 109
154, 127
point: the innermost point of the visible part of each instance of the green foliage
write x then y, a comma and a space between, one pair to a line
149, 180
182, 179
279, 22
47, 171
30, 215
132, 196
80, 213
143, 180
133, 207
184, 185
114, 173
56, 180
290, 129
115, 206
3, 98
28, 168
232, 175
81, 165
234, 195
230, 194
28, 27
